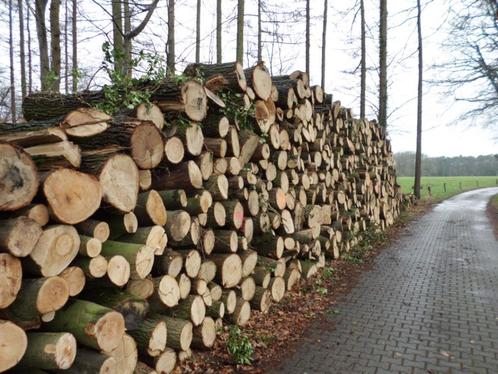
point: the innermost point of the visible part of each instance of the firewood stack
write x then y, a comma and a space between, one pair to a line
126, 241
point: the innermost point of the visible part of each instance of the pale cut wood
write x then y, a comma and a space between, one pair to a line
98, 229
49, 351
174, 150
75, 279
151, 236
150, 112
56, 248
228, 269
178, 224
205, 334
92, 325
19, 178
140, 257
89, 246
118, 270
36, 212
126, 355
150, 336
13, 344
165, 363
241, 314
18, 236
84, 122
10, 279
150, 209
72, 196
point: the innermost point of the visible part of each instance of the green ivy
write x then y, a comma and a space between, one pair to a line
124, 91
235, 111
239, 346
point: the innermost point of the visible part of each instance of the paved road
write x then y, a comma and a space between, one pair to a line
429, 305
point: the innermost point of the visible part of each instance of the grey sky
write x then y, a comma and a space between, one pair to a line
439, 137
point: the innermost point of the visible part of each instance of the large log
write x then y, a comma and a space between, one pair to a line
73, 196
92, 325
19, 178
13, 344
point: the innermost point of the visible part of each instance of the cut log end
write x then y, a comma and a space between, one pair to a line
13, 344
19, 178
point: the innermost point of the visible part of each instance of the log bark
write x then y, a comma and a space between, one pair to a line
92, 325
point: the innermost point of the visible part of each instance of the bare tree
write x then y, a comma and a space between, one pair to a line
66, 48
30, 64
260, 45
41, 31
470, 74
11, 56
74, 37
363, 62
324, 40
218, 32
22, 54
308, 36
240, 31
55, 45
418, 156
170, 58
383, 64
198, 32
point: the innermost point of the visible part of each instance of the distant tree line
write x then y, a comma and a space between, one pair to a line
447, 166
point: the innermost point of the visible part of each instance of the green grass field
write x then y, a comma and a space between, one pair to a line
454, 185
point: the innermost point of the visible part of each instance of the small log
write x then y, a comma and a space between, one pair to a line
89, 246
150, 112
174, 199
132, 308
192, 261
228, 269
126, 355
185, 284
191, 308
169, 263
260, 80
186, 175
152, 236
10, 279
150, 209
118, 270
262, 276
225, 241
277, 288
216, 310
150, 336
174, 150
189, 98
142, 288
246, 289
178, 224
261, 300
140, 257
249, 261
75, 279
88, 361
179, 332
98, 229
207, 271
205, 334
166, 362
93, 267
36, 212
241, 314
166, 293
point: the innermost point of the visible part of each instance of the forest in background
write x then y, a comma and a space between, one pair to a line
483, 165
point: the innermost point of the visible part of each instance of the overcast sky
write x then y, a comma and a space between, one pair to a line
441, 137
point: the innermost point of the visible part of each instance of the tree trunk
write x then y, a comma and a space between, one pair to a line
198, 33
260, 44
418, 155
55, 45
240, 32
117, 35
170, 55
324, 41
13, 112
41, 30
74, 34
22, 53
218, 32
363, 68
383, 64
308, 41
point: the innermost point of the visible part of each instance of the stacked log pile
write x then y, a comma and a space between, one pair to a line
127, 240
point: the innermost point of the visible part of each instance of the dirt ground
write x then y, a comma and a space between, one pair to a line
275, 334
